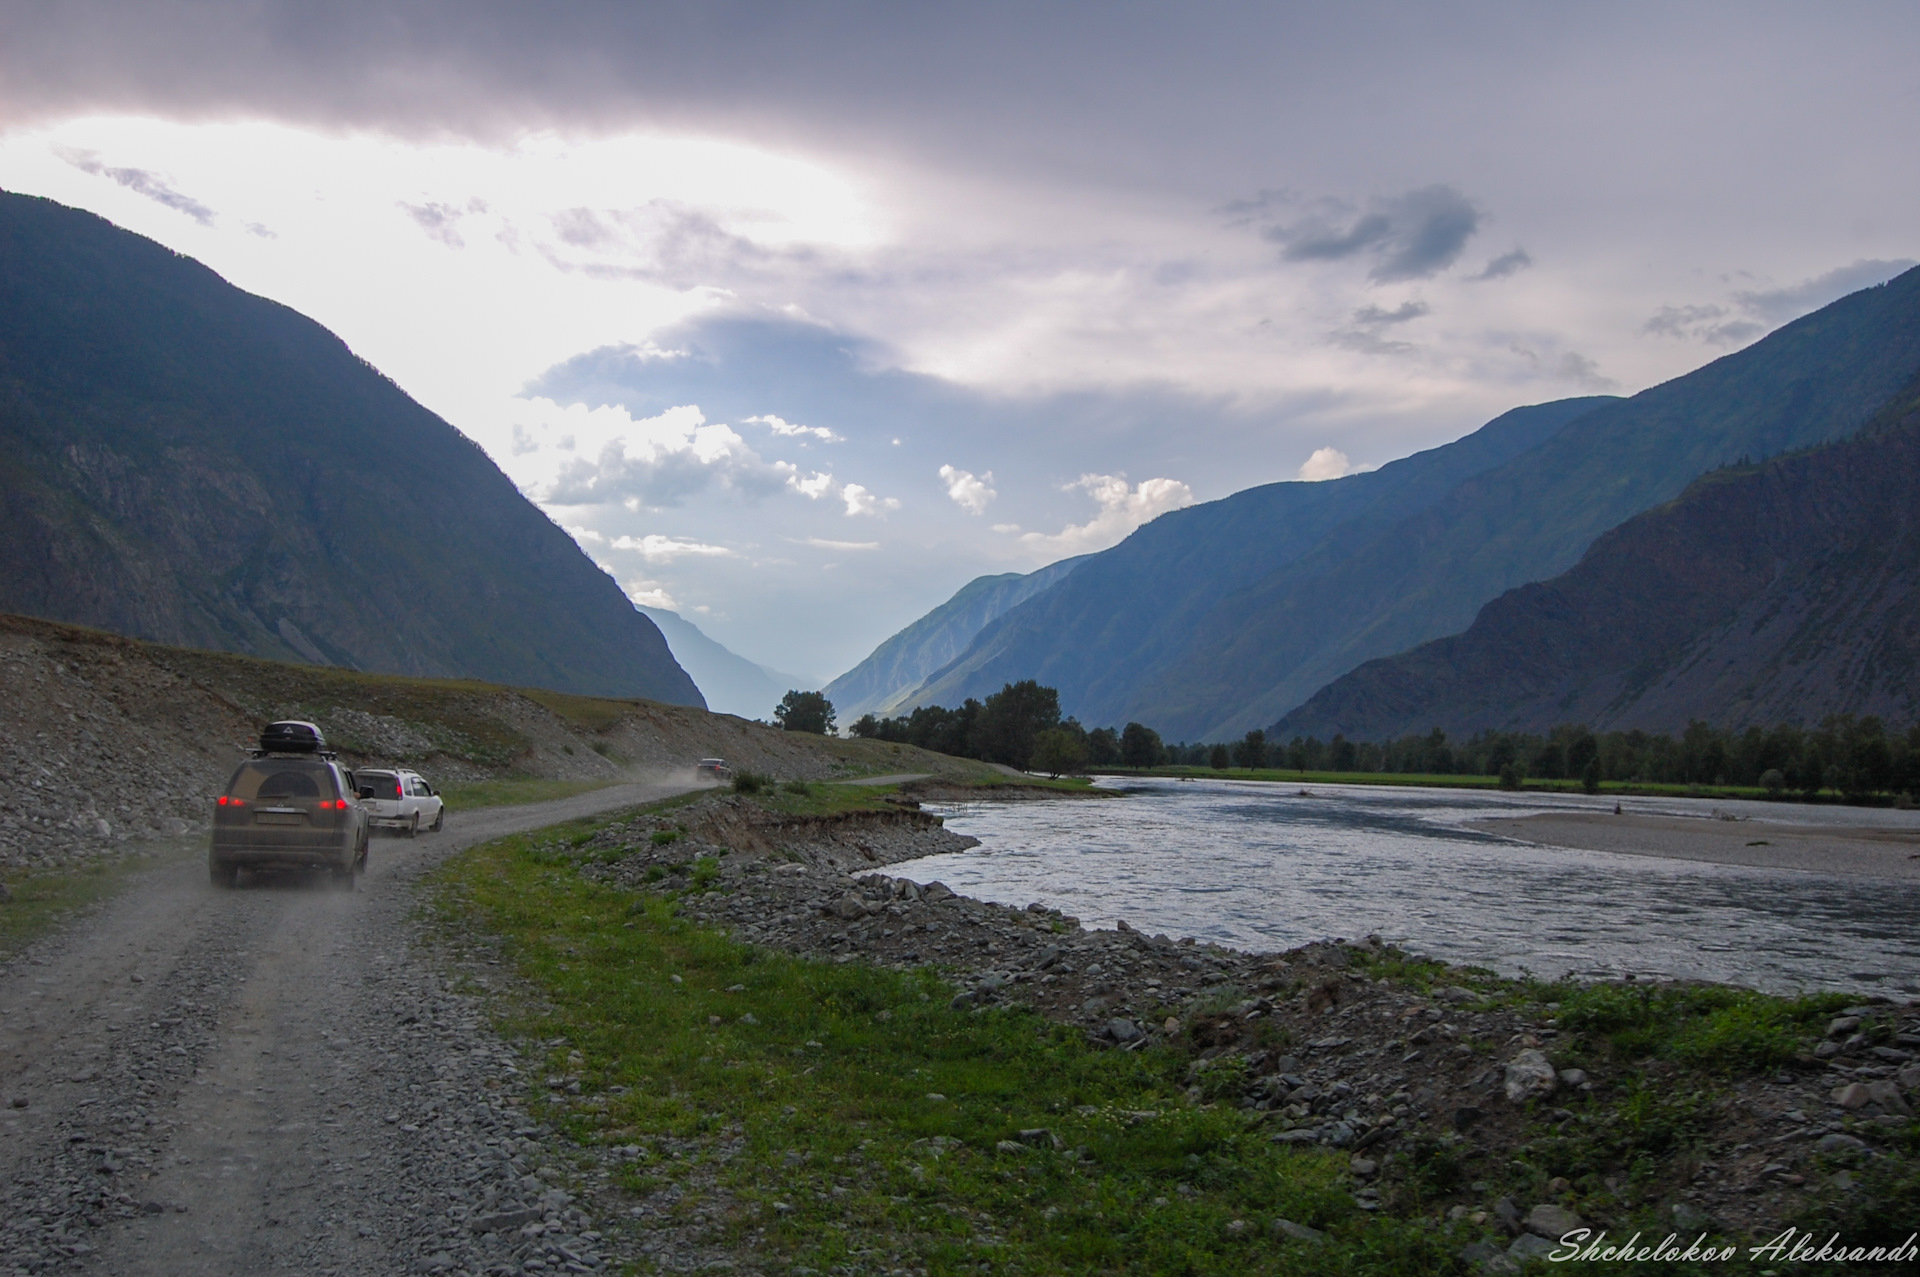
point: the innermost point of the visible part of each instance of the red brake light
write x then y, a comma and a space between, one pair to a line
232, 802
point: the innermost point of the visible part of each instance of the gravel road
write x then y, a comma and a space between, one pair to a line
273, 1080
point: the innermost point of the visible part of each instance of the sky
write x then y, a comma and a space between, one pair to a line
798, 317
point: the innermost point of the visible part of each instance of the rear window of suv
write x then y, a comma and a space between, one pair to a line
276, 778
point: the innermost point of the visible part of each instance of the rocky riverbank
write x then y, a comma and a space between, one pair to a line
1436, 1082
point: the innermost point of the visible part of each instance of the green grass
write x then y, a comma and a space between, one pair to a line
796, 1096
1449, 780
510, 791
1710, 1027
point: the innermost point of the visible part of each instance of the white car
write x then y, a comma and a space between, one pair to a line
400, 800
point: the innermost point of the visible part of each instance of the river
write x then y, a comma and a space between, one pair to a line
1265, 866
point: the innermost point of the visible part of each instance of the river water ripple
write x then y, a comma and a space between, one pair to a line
1261, 866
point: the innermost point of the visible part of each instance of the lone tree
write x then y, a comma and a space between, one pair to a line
1251, 752
1219, 759
1058, 750
805, 712
1011, 720
1140, 746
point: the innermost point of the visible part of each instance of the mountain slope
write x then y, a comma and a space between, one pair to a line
731, 683
1262, 646
1127, 613
1783, 592
188, 463
899, 665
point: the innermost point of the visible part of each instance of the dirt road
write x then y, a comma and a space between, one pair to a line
272, 1080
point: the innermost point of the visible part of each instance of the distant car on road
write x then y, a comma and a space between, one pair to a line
400, 799
714, 769
290, 806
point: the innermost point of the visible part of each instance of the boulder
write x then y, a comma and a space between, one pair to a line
1852, 1096
1529, 1246
1887, 1096
1530, 1077
1551, 1221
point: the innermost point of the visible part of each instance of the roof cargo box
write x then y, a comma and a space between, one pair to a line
293, 737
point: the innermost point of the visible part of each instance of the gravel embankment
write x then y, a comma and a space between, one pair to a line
1329, 1055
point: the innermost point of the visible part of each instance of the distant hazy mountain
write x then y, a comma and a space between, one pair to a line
185, 462
731, 683
887, 682
1108, 631
1226, 616
1765, 594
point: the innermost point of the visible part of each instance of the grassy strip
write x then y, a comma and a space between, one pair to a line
1449, 780
41, 900
511, 791
843, 1117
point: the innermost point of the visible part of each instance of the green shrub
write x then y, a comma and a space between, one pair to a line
750, 783
1704, 1025
663, 837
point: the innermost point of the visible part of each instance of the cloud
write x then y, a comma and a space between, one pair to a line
858, 499
1506, 264
592, 456
861, 501
141, 182
823, 543
1778, 305
585, 535
650, 594
1325, 463
655, 548
1410, 236
1122, 509
1582, 371
441, 222
969, 491
1749, 313
788, 429
1370, 322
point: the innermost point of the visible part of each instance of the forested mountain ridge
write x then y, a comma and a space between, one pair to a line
1226, 649
885, 679
188, 463
1777, 593
1127, 613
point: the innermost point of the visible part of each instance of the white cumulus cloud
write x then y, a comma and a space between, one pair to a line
780, 426
1325, 463
577, 455
653, 547
969, 491
859, 499
1122, 509
651, 594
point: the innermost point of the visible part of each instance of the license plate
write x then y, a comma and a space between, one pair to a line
279, 818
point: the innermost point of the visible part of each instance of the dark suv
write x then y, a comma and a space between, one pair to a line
290, 806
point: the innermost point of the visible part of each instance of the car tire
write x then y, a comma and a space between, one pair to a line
439, 819
413, 828
226, 877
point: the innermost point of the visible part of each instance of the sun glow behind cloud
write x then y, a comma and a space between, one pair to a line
460, 270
